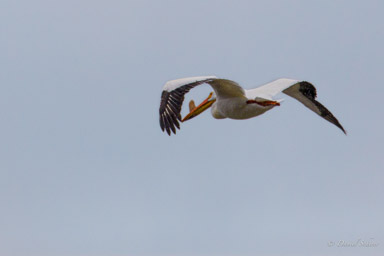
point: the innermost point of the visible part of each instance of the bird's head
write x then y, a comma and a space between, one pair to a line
195, 111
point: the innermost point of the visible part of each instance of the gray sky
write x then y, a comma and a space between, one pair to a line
85, 169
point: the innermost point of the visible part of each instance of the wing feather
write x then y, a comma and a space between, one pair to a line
306, 93
172, 99
302, 91
173, 93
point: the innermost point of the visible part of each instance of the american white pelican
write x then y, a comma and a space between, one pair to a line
229, 100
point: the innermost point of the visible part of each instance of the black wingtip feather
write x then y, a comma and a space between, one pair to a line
161, 124
170, 106
309, 91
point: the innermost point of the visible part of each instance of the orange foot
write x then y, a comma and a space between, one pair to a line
264, 103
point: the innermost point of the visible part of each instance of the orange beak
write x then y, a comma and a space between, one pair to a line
199, 109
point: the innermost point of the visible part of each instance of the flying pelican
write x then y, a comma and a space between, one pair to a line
230, 100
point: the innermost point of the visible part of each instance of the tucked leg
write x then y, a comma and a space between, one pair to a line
264, 103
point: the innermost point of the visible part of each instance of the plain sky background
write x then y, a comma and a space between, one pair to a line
86, 171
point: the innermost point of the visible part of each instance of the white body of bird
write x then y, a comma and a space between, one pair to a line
230, 100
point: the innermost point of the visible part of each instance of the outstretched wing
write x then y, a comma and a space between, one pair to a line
173, 93
172, 99
302, 91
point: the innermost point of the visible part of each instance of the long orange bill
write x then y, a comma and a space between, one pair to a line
199, 109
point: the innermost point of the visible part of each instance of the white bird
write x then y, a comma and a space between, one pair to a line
230, 100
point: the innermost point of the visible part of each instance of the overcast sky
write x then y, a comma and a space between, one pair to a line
85, 169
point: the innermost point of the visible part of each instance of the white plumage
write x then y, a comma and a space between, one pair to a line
230, 100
